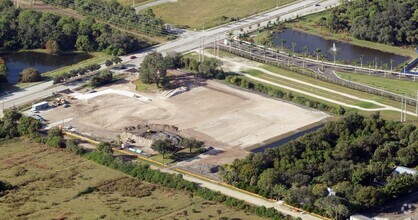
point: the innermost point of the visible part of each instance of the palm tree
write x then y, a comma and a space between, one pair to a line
293, 46
317, 52
322, 60
355, 65
361, 60
282, 41
391, 64
305, 50
334, 54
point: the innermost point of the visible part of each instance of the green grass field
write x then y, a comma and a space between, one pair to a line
199, 14
308, 24
49, 185
392, 85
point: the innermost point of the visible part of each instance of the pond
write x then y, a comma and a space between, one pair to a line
346, 52
280, 142
16, 62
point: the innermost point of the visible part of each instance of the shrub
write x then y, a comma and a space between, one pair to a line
30, 75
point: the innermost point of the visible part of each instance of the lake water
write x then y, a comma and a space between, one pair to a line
280, 142
345, 51
16, 62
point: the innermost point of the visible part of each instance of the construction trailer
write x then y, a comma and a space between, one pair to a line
40, 106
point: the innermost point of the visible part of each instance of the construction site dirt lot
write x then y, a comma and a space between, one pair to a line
225, 118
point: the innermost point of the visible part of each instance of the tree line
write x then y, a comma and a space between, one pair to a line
385, 21
3, 71
26, 29
354, 156
155, 65
115, 13
14, 125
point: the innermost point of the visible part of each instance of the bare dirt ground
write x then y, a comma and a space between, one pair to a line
224, 117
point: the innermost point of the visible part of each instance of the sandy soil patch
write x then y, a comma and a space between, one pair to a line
224, 117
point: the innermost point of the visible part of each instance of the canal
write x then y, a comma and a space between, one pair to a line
16, 62
282, 141
346, 52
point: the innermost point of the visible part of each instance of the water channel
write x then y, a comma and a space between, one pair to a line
346, 52
282, 141
16, 62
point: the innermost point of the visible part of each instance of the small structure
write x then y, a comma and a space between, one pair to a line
402, 170
331, 192
359, 217
40, 106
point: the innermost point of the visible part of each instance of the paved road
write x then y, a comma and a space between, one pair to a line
158, 2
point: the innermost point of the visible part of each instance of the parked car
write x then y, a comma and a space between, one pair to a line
133, 57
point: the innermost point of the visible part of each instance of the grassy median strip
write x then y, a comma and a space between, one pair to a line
392, 85
312, 90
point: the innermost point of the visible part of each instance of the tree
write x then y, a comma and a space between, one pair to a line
154, 69
191, 143
333, 206
317, 52
282, 42
400, 185
105, 147
267, 179
101, 79
83, 43
361, 60
3, 72
173, 60
108, 63
30, 75
55, 137
219, 213
52, 47
305, 50
28, 126
408, 156
72, 146
163, 146
369, 196
293, 46
117, 60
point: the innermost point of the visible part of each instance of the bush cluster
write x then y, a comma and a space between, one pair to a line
74, 73
103, 78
